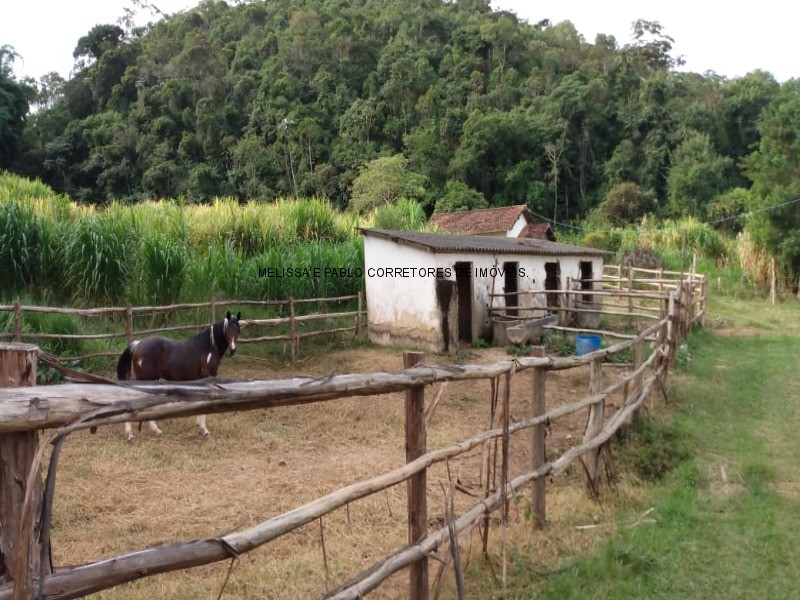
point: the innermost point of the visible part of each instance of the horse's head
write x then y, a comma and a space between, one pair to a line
230, 329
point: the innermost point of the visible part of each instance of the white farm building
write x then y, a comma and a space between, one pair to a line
432, 291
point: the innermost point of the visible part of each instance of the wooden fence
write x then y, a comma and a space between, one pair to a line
627, 294
66, 408
125, 317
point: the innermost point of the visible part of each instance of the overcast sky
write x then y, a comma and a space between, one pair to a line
45, 32
731, 39
724, 38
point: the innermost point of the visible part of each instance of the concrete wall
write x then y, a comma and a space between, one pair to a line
517, 227
403, 307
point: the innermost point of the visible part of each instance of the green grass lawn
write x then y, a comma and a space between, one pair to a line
727, 519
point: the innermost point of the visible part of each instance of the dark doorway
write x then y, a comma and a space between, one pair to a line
552, 281
464, 288
586, 276
511, 286
446, 296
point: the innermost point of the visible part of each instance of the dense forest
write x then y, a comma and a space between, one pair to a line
450, 103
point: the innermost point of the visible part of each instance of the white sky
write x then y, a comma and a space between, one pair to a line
731, 39
45, 32
727, 38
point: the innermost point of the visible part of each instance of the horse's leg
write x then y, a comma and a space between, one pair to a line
128, 432
201, 423
154, 427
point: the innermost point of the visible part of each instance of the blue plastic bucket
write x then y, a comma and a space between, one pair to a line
584, 344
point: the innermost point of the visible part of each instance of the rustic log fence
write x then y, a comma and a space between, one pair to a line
127, 314
628, 293
71, 407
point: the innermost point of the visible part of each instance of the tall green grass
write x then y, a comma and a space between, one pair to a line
99, 253
684, 235
165, 251
20, 235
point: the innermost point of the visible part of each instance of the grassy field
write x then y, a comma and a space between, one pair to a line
723, 522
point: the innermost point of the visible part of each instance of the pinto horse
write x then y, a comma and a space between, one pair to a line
161, 358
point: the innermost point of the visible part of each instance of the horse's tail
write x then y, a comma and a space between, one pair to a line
124, 363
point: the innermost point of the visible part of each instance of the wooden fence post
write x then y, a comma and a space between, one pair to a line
683, 307
19, 555
295, 342
773, 281
630, 296
594, 425
358, 315
538, 433
129, 324
416, 445
670, 338
569, 303
703, 300
17, 323
638, 359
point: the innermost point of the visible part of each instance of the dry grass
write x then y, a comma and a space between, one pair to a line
112, 497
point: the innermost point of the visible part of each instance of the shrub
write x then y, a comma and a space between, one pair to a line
602, 240
644, 258
405, 214
653, 449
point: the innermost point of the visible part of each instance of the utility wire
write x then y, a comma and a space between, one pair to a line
714, 222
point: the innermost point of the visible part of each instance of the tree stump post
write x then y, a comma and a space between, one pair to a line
417, 485
18, 562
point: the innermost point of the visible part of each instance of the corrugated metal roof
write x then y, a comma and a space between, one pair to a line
442, 242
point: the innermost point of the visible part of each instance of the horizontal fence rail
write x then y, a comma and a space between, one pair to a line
124, 318
630, 292
66, 408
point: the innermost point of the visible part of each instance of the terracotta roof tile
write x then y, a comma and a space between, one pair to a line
483, 221
538, 231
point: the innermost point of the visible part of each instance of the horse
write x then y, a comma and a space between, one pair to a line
161, 358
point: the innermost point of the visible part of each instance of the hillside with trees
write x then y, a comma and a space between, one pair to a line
449, 103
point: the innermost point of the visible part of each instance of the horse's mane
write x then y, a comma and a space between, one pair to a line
203, 339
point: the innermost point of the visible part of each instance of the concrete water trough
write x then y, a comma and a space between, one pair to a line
517, 331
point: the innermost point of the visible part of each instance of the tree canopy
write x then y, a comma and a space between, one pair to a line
364, 102
14, 101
